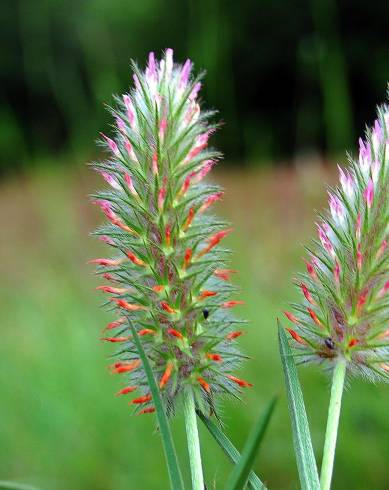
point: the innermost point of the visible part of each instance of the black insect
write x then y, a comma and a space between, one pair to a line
205, 313
330, 343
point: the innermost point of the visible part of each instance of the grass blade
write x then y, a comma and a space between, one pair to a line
305, 457
240, 473
254, 483
10, 485
175, 476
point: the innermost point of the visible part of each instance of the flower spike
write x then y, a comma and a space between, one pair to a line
347, 277
157, 205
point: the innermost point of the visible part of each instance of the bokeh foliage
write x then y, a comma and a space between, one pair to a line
61, 427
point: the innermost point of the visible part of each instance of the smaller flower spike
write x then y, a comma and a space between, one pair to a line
344, 311
167, 277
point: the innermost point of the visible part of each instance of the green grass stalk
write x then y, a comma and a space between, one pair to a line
193, 441
332, 424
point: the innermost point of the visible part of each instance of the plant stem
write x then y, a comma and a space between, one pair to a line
192, 435
332, 424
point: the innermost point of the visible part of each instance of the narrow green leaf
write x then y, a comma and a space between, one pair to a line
254, 483
240, 473
175, 476
306, 463
10, 485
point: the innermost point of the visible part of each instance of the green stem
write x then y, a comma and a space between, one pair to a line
332, 424
192, 435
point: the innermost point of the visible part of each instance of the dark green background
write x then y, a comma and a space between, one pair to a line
287, 77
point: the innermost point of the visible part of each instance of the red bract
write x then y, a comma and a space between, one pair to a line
166, 375
240, 382
125, 391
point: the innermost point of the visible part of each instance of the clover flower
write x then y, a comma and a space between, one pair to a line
345, 311
168, 275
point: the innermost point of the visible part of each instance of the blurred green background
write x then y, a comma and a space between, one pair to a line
295, 83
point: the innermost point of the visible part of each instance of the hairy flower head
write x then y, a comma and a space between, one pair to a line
345, 309
168, 273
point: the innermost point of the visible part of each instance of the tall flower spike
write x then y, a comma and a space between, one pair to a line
169, 270
345, 310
